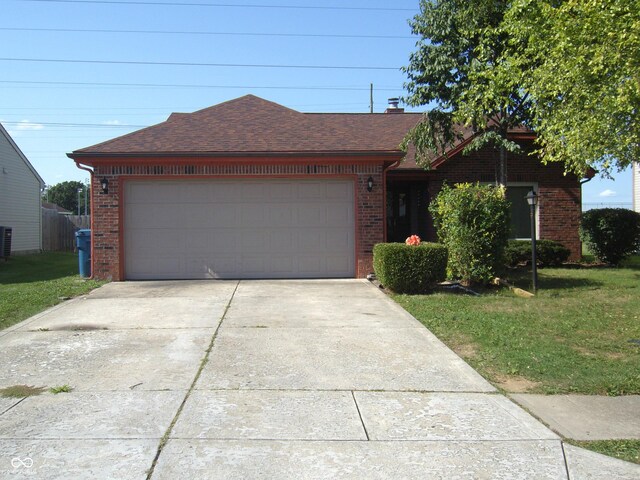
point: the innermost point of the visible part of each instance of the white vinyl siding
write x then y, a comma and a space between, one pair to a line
267, 228
19, 198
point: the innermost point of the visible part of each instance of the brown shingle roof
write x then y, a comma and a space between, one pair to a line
252, 125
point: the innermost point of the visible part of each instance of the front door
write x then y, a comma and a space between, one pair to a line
398, 213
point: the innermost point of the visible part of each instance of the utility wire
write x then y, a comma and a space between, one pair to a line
198, 64
178, 85
181, 32
226, 5
66, 124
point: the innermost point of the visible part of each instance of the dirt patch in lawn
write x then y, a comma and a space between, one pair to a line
515, 384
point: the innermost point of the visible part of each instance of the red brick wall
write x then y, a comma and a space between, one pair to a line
370, 220
107, 223
559, 194
105, 229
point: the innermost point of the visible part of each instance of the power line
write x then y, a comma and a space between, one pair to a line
178, 85
32, 124
226, 5
198, 64
181, 32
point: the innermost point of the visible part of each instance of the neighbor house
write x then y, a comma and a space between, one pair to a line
252, 189
20, 189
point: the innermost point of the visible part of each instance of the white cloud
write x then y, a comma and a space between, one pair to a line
607, 193
27, 125
112, 122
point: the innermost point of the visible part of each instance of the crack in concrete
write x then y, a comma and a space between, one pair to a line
203, 362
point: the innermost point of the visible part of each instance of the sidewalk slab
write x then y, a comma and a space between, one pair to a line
336, 359
321, 289
270, 415
7, 403
104, 360
586, 417
89, 313
446, 416
248, 459
105, 415
76, 459
587, 465
313, 312
167, 288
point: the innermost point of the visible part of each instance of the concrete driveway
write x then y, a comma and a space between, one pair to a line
259, 379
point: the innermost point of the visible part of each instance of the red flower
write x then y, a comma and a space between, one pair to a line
413, 240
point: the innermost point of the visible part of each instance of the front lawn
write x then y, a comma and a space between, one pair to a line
32, 283
580, 334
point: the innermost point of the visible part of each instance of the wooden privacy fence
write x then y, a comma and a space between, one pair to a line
58, 231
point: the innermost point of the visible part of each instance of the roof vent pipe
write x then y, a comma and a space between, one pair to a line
393, 106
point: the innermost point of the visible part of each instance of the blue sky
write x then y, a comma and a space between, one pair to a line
54, 107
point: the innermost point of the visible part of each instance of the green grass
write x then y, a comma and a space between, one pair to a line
628, 450
61, 389
32, 283
576, 336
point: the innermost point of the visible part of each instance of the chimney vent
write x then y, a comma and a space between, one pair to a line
393, 106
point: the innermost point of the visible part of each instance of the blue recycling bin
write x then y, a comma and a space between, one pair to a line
83, 244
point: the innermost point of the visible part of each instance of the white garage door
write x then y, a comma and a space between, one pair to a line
239, 229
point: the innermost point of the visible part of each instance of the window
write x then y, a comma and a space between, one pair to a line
519, 211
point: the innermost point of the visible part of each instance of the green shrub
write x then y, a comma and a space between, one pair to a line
409, 268
473, 223
548, 253
611, 234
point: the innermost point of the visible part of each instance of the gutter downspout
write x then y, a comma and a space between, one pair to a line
91, 225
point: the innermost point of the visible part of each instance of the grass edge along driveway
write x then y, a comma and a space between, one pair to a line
580, 334
30, 284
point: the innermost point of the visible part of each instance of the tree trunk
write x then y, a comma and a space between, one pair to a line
502, 169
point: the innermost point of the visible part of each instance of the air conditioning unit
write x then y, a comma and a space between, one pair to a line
5, 242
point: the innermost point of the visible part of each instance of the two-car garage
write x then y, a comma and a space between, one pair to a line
239, 228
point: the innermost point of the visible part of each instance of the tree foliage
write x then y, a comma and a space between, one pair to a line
458, 38
569, 69
65, 195
579, 60
472, 221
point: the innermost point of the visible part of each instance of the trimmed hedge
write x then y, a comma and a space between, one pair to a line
611, 234
410, 268
549, 253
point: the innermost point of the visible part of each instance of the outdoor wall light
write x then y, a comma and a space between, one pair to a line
369, 184
532, 200
104, 183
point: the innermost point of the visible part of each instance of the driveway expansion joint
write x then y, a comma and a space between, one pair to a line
203, 362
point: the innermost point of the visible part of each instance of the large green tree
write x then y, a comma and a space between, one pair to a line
65, 195
458, 38
579, 60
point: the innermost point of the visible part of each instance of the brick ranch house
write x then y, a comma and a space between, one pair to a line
252, 189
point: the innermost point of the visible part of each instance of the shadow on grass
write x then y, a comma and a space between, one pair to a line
555, 283
38, 268
523, 279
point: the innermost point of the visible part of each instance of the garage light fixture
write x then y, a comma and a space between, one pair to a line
369, 184
104, 183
